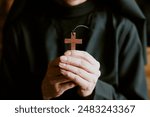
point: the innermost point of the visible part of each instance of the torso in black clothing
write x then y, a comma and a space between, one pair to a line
36, 37
77, 19
74, 19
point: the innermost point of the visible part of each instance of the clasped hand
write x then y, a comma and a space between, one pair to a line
74, 68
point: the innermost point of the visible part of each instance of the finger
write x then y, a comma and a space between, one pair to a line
68, 85
78, 63
54, 62
82, 73
76, 79
53, 72
64, 87
84, 55
59, 80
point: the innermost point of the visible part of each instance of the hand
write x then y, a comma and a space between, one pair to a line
55, 84
82, 69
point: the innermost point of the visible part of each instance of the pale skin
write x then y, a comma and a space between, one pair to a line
74, 2
73, 69
71, 2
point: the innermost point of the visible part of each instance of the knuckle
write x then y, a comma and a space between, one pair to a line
82, 63
79, 62
67, 66
99, 73
75, 78
70, 85
94, 81
84, 53
79, 71
98, 64
57, 91
87, 88
69, 59
68, 74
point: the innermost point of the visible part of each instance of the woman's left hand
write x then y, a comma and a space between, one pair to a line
82, 69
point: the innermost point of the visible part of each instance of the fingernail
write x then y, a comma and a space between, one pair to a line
63, 58
62, 65
62, 71
68, 53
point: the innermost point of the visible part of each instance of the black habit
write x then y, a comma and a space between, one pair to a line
34, 34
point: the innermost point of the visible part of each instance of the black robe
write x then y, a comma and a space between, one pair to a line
145, 6
31, 40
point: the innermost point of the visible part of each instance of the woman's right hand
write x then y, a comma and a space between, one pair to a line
54, 83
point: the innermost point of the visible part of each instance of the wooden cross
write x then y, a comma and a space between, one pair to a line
73, 41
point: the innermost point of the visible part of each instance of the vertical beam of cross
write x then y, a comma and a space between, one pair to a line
73, 41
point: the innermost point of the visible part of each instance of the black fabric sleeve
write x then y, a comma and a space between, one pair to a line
131, 74
7, 87
17, 79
